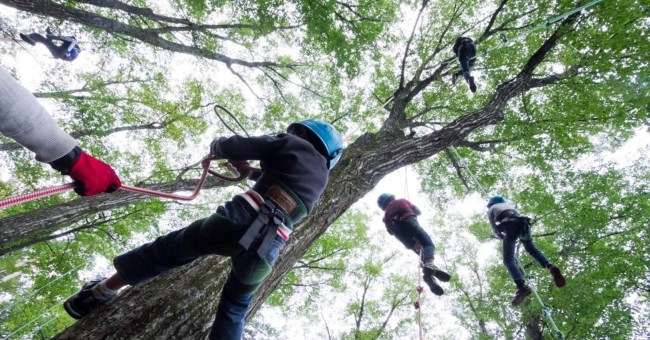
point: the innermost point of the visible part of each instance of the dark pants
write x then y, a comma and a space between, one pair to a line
58, 52
518, 230
218, 234
466, 58
409, 232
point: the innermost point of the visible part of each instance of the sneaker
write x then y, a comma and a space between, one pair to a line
433, 285
430, 269
472, 85
84, 302
454, 77
27, 39
557, 276
521, 294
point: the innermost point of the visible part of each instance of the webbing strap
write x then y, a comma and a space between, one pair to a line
270, 216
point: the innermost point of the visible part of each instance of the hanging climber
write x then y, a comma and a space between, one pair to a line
68, 50
400, 219
508, 225
23, 119
465, 50
251, 228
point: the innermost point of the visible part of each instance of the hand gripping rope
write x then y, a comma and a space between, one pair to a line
241, 168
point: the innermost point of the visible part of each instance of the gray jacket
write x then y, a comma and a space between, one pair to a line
25, 120
496, 210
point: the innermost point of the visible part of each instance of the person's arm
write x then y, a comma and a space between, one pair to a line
416, 210
25, 120
493, 223
242, 148
388, 225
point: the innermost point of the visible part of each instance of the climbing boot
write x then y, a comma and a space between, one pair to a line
86, 300
454, 77
27, 39
430, 269
521, 293
472, 85
557, 276
433, 285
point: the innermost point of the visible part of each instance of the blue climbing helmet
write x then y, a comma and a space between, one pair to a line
496, 199
384, 199
73, 54
327, 134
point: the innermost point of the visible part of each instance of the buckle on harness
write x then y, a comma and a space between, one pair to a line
270, 216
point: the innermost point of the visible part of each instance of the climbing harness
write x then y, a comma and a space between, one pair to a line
242, 168
545, 310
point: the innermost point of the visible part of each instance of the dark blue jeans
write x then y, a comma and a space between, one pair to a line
217, 234
518, 230
409, 232
57, 51
466, 58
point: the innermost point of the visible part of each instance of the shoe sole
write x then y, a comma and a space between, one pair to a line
67, 305
519, 300
472, 85
433, 286
28, 39
560, 281
438, 274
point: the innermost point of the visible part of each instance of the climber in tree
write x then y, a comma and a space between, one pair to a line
251, 228
465, 50
68, 50
508, 225
400, 219
23, 119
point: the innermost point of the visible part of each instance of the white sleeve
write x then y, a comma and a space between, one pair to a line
25, 120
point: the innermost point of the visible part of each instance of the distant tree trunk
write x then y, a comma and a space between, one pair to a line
533, 329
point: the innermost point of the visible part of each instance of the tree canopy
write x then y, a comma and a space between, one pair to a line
554, 111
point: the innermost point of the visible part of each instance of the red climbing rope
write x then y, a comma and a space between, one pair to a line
242, 168
419, 288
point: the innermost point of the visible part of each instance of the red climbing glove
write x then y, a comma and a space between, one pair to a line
93, 176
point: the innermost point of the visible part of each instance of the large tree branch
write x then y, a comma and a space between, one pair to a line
145, 12
80, 16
